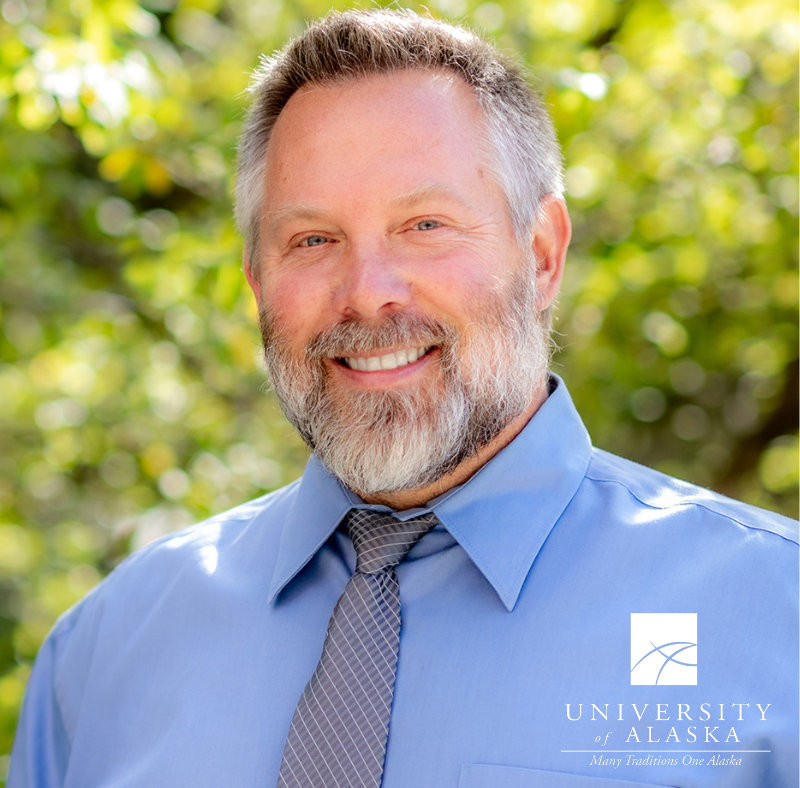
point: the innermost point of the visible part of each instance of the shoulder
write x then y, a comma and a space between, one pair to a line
261, 517
185, 559
258, 520
656, 497
161, 585
176, 583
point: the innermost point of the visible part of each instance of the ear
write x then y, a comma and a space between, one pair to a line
252, 276
549, 243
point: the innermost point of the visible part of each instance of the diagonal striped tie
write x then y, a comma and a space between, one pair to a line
339, 729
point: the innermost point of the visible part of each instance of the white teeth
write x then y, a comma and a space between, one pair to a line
399, 358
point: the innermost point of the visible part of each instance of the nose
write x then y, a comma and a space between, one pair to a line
372, 282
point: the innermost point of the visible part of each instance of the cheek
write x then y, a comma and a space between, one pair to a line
299, 306
461, 288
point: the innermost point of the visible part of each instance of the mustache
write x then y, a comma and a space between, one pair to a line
356, 335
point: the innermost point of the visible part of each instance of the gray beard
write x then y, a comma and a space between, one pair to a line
401, 439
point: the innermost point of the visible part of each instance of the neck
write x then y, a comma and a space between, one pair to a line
400, 500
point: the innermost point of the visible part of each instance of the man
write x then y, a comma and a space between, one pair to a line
515, 608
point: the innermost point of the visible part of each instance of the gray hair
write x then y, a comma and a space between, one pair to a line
525, 156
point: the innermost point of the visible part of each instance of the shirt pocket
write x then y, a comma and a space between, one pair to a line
479, 775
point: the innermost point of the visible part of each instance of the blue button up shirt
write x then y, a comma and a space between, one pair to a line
519, 635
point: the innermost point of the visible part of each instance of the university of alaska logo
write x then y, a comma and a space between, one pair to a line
664, 648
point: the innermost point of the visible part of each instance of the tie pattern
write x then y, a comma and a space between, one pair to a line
339, 729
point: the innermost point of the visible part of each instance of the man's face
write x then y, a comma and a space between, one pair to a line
398, 309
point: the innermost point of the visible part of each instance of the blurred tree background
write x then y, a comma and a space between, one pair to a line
131, 392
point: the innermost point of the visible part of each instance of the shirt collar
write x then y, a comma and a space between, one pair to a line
501, 516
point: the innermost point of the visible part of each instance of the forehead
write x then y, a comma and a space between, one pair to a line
434, 92
356, 129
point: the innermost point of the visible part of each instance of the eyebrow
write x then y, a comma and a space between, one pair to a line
429, 191
408, 199
289, 212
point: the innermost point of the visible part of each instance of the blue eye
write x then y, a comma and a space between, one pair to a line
427, 224
314, 240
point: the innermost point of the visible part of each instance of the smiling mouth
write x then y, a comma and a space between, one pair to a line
398, 358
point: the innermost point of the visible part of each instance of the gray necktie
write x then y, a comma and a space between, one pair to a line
339, 729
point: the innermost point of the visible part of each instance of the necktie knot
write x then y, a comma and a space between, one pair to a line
381, 540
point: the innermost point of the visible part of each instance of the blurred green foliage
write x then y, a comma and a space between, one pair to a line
131, 394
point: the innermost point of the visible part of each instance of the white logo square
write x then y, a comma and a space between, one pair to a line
664, 648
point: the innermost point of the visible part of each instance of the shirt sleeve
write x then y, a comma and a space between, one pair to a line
41, 748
